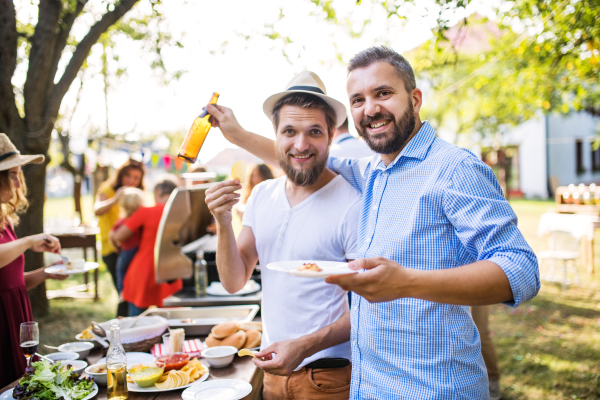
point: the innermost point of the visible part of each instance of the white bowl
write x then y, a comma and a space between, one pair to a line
99, 377
82, 348
78, 365
63, 355
219, 356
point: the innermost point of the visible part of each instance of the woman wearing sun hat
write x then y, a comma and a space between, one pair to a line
14, 281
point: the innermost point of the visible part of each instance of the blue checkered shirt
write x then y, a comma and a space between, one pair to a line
436, 206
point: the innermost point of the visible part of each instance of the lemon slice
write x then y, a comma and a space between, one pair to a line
238, 171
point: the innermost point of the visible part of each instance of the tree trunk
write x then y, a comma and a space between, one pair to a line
33, 223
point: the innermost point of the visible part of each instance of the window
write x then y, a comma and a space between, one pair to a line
579, 156
595, 158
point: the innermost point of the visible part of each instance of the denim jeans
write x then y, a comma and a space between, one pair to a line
125, 257
135, 310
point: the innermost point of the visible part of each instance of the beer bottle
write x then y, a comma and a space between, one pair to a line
195, 138
116, 366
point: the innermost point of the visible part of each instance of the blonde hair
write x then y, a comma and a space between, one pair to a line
131, 200
9, 211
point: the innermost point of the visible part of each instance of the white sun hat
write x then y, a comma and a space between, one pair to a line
306, 82
10, 157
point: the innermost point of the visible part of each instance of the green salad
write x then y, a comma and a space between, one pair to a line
52, 381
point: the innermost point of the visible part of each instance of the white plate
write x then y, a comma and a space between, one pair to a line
220, 389
329, 268
133, 358
217, 289
132, 387
61, 269
8, 394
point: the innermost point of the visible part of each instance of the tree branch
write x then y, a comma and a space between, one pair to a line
63, 35
35, 90
9, 114
81, 53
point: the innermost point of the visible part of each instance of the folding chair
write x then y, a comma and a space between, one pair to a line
562, 253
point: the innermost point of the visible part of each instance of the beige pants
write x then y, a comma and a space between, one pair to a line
308, 383
481, 315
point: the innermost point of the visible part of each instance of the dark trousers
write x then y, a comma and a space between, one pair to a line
111, 264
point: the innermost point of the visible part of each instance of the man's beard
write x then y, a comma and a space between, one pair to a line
401, 131
304, 177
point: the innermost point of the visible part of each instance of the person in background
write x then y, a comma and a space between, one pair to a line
106, 207
15, 307
130, 201
255, 175
344, 145
139, 286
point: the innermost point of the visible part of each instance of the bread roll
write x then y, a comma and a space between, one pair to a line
253, 338
221, 331
212, 341
246, 326
236, 340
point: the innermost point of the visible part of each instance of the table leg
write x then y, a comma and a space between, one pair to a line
589, 254
96, 297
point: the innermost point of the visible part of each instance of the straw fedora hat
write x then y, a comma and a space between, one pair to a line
10, 157
306, 82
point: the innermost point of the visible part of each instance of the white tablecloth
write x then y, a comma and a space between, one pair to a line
577, 225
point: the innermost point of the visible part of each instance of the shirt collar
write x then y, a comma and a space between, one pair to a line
340, 137
417, 147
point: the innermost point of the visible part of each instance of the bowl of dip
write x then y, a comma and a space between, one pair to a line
219, 356
81, 348
98, 372
146, 375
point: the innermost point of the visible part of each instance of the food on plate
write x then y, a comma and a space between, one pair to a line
176, 338
236, 340
188, 321
87, 333
98, 369
76, 264
146, 375
175, 378
238, 171
51, 382
212, 341
309, 267
224, 329
253, 338
174, 361
246, 326
246, 352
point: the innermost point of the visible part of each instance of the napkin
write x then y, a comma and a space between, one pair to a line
191, 347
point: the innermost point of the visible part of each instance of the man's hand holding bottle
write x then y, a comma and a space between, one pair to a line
223, 118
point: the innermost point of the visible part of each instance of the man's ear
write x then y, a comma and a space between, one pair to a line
417, 99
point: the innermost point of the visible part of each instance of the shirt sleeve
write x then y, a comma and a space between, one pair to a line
350, 231
487, 226
352, 169
136, 220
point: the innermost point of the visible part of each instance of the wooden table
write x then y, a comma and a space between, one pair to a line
242, 368
84, 238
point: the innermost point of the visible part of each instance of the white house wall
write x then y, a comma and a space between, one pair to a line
563, 132
532, 157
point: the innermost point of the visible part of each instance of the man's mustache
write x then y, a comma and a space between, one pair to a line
377, 117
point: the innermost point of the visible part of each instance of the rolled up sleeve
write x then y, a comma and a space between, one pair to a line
487, 226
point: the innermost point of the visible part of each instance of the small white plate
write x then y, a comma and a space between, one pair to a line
220, 389
133, 358
329, 268
61, 269
8, 394
217, 289
132, 387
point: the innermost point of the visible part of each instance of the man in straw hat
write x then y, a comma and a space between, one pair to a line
435, 236
308, 214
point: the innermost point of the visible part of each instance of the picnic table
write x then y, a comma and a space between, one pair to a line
241, 368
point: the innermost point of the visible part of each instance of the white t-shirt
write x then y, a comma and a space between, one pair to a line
323, 227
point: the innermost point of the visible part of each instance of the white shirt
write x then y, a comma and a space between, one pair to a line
347, 146
322, 227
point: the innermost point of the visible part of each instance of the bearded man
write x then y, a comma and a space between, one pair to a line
436, 235
309, 214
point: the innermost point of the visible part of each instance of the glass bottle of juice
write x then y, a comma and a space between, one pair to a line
195, 138
116, 365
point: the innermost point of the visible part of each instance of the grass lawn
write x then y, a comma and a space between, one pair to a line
549, 348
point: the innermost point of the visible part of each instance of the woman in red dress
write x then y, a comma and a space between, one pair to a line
139, 286
14, 282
